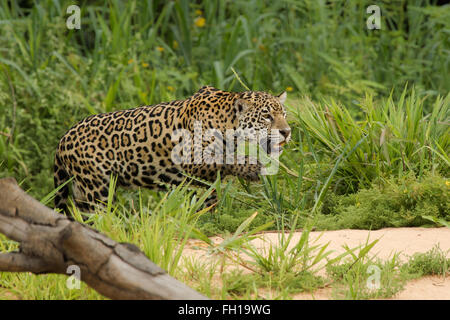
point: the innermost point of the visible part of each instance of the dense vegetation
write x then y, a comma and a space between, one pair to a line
369, 109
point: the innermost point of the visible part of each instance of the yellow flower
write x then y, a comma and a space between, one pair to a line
447, 183
289, 89
160, 49
198, 12
170, 88
144, 64
200, 22
175, 44
130, 61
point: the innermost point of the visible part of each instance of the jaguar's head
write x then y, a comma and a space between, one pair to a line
263, 115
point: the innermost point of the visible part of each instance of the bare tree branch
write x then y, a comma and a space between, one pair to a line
51, 242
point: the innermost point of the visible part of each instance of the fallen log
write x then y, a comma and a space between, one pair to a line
53, 243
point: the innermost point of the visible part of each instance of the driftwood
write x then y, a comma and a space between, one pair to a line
53, 243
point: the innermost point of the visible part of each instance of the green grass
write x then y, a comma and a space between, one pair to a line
432, 262
398, 136
161, 229
400, 202
350, 278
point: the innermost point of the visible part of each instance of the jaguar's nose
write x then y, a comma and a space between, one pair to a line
286, 132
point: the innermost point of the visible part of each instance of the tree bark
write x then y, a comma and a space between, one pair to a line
51, 243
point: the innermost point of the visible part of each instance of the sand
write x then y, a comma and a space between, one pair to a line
404, 241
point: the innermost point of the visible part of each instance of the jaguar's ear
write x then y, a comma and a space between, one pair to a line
282, 97
241, 105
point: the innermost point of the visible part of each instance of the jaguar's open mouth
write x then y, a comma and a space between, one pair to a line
272, 147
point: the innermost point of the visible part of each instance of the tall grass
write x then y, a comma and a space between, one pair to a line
396, 136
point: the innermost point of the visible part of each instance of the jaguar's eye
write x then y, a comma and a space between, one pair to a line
268, 118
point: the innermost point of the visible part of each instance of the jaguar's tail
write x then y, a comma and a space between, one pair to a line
60, 176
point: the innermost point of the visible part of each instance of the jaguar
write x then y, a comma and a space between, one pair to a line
137, 145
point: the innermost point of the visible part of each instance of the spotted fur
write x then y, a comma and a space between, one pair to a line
136, 144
